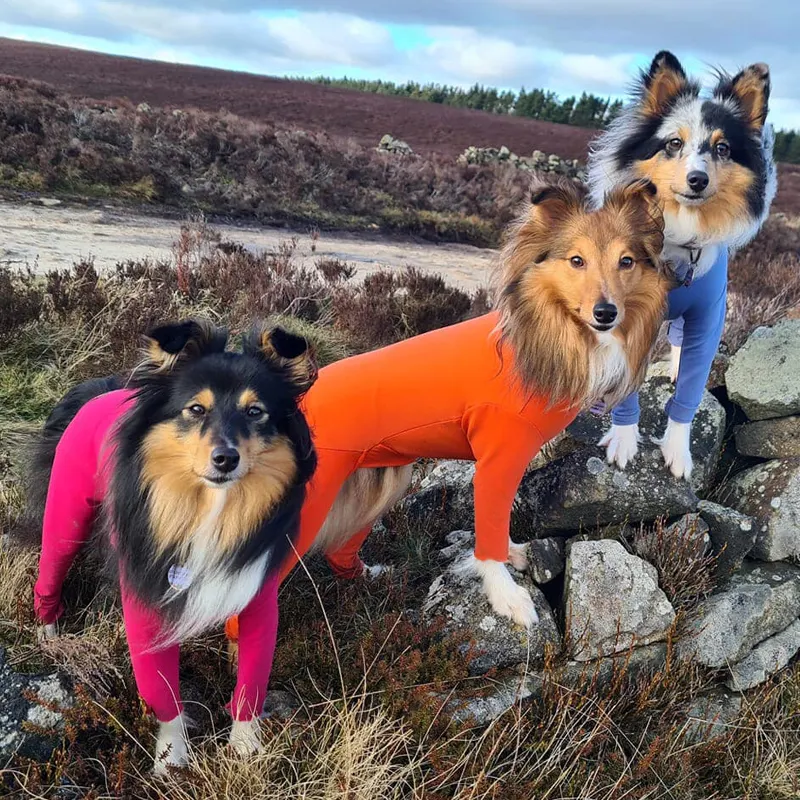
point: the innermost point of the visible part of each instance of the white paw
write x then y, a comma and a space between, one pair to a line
172, 745
245, 738
674, 363
375, 571
45, 632
518, 556
676, 448
506, 597
622, 444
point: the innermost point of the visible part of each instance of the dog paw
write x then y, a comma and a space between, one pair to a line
676, 448
375, 571
674, 363
172, 745
245, 737
518, 556
517, 604
622, 444
45, 632
506, 597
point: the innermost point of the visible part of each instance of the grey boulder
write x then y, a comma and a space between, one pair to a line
762, 600
732, 535
612, 600
770, 438
770, 493
764, 375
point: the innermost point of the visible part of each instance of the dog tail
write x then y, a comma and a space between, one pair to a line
363, 498
39, 456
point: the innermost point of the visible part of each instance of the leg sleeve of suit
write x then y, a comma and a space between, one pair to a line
345, 562
258, 631
627, 412
156, 672
675, 332
702, 331
68, 515
503, 445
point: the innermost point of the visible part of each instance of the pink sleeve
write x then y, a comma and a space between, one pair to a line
258, 631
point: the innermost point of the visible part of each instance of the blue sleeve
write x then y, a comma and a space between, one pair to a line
627, 412
702, 331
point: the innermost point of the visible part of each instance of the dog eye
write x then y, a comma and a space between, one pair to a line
255, 412
626, 262
674, 145
576, 262
196, 410
723, 149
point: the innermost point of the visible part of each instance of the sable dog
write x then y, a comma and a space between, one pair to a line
581, 298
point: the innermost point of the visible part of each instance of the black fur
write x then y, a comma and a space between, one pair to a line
643, 143
161, 397
745, 147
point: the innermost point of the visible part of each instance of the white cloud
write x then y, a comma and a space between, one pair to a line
595, 71
565, 45
333, 38
465, 55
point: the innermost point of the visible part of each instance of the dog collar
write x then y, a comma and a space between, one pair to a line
684, 274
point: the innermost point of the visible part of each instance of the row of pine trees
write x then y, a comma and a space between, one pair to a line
586, 111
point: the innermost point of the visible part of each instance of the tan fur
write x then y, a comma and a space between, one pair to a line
302, 370
365, 496
664, 85
173, 466
545, 303
205, 398
728, 185
248, 398
751, 87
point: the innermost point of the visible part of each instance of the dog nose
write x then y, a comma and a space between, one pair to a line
225, 459
697, 180
605, 313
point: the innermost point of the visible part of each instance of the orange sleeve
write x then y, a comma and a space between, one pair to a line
503, 444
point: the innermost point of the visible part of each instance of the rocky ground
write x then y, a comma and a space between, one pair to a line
626, 568
592, 531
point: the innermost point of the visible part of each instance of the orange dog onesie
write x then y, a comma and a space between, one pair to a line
469, 391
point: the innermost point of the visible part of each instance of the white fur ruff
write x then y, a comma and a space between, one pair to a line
216, 591
608, 367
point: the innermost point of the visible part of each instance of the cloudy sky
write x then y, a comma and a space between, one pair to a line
565, 45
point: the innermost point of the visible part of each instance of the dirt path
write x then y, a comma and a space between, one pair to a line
54, 237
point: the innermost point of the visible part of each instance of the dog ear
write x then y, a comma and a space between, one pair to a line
286, 352
749, 89
638, 200
552, 204
662, 83
176, 343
